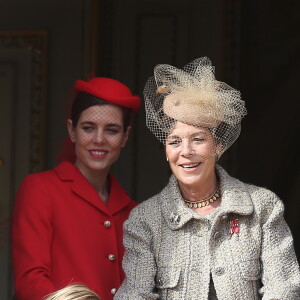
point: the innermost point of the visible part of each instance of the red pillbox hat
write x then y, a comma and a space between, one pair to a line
110, 90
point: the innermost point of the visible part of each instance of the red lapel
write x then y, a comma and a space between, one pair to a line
118, 199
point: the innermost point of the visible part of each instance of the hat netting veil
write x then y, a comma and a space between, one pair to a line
193, 96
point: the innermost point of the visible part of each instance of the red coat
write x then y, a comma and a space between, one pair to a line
61, 234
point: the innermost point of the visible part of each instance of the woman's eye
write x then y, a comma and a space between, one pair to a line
198, 139
174, 142
113, 130
88, 128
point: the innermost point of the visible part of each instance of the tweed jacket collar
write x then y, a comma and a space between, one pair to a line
235, 199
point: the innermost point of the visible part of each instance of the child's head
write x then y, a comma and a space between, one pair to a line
73, 292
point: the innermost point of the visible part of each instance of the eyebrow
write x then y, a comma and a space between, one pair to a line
114, 125
199, 132
192, 135
93, 123
173, 137
87, 123
107, 125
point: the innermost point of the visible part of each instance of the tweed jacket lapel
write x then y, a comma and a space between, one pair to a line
174, 211
235, 199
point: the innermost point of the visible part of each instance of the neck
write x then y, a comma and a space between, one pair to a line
98, 179
199, 191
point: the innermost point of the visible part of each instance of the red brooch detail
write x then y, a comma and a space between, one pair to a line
234, 226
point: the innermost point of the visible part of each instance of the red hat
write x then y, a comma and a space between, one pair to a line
110, 90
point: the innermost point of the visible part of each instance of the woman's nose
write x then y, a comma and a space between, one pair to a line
186, 149
99, 137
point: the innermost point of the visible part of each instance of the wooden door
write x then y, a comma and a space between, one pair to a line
131, 38
6, 172
22, 130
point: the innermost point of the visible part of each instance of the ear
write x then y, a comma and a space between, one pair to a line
71, 130
126, 135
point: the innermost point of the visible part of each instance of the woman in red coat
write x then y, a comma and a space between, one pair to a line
68, 221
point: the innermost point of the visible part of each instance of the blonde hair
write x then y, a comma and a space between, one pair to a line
73, 292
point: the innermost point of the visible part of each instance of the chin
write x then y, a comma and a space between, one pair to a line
190, 180
100, 165
93, 165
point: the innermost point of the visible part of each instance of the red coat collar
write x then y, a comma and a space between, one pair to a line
118, 198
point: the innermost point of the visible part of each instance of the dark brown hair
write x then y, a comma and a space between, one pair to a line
84, 100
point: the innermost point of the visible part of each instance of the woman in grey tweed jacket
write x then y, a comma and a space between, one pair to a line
207, 235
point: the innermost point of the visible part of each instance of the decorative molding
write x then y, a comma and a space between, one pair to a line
35, 42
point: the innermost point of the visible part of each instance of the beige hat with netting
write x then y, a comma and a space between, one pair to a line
193, 96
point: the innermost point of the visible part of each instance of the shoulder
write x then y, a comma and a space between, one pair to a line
36, 184
257, 193
145, 216
37, 179
263, 200
150, 208
34, 197
154, 209
64, 172
260, 194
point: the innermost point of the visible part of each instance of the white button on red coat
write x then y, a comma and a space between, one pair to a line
113, 291
107, 224
111, 257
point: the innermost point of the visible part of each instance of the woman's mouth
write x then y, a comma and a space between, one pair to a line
189, 166
97, 153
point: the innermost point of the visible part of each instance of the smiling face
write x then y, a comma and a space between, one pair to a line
191, 152
99, 137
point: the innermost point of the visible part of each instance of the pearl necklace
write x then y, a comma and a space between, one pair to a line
204, 202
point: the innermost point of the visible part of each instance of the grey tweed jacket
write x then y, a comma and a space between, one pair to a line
173, 253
